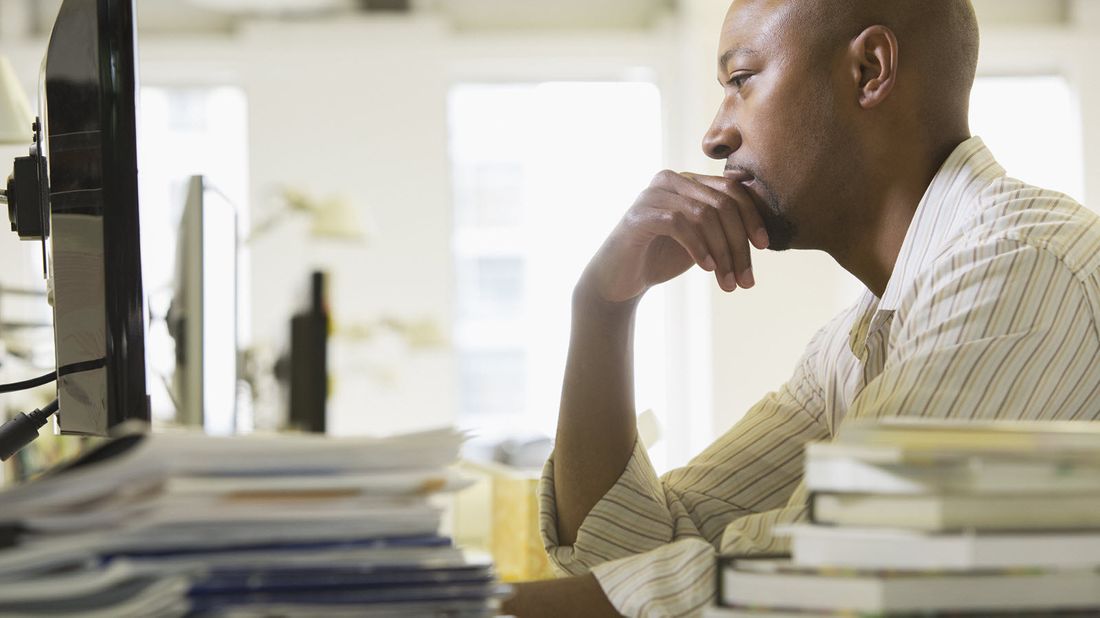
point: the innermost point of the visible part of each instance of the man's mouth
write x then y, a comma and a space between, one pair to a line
739, 175
747, 180
756, 190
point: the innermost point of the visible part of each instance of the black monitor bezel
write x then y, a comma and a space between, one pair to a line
126, 388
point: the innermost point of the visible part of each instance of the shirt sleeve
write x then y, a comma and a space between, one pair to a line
1003, 330
651, 541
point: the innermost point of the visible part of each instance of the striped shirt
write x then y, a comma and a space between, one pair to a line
992, 312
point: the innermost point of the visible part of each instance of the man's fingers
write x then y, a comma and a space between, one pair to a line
694, 219
734, 239
698, 228
708, 221
677, 226
719, 215
743, 199
739, 246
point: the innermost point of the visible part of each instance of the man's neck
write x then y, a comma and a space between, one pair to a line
871, 252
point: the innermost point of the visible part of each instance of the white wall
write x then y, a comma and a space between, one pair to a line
324, 118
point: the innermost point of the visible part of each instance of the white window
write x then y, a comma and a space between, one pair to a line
542, 172
1032, 124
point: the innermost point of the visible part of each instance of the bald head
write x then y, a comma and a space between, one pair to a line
938, 42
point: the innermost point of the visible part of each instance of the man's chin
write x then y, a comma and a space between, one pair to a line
782, 232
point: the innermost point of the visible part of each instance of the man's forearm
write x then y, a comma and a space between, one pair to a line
679, 221
596, 426
578, 597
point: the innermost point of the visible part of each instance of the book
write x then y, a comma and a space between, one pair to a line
944, 512
182, 523
130, 598
885, 548
749, 612
763, 612
912, 517
847, 468
915, 435
136, 466
770, 582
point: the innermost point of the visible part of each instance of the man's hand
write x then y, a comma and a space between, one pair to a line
680, 220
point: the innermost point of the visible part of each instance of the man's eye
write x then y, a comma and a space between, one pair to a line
737, 80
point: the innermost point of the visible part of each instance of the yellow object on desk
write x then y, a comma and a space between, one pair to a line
500, 514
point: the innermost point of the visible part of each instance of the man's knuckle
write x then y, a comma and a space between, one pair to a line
671, 218
665, 177
728, 203
698, 213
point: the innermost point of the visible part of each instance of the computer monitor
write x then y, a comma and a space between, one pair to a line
89, 214
202, 318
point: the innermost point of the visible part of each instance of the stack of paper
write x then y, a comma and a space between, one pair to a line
173, 524
938, 517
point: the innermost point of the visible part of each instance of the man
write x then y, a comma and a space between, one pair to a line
844, 129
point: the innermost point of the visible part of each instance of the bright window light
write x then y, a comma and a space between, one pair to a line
542, 173
1033, 126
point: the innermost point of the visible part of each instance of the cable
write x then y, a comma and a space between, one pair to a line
23, 428
25, 384
45, 411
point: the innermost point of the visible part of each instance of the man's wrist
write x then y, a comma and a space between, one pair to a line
588, 302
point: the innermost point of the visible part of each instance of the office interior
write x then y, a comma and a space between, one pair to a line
451, 165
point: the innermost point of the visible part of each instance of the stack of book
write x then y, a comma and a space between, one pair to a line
936, 518
184, 524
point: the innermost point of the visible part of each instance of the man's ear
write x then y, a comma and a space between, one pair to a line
874, 64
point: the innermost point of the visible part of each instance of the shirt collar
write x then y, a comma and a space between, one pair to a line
961, 179
963, 176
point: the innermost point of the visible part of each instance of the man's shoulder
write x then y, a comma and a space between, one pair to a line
1013, 214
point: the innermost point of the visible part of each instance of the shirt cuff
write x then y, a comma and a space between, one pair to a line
632, 518
673, 580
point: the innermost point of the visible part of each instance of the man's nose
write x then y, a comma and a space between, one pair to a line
723, 138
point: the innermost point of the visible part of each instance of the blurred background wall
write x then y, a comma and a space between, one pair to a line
485, 148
